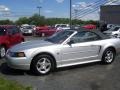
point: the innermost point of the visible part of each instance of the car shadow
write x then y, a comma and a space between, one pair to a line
4, 69
79, 66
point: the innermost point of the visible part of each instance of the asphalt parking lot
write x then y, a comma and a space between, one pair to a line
93, 76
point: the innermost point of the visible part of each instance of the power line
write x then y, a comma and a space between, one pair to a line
89, 6
95, 9
95, 4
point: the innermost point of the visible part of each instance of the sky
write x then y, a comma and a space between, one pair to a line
13, 9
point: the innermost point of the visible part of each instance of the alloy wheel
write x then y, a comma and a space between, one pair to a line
43, 65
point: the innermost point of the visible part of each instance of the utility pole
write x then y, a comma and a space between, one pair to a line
39, 7
70, 22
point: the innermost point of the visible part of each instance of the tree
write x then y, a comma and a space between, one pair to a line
6, 22
22, 20
37, 20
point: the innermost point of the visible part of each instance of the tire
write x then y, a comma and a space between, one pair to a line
42, 65
34, 34
108, 56
116, 35
2, 51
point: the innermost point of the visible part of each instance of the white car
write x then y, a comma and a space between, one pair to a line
27, 30
64, 48
109, 26
113, 32
62, 26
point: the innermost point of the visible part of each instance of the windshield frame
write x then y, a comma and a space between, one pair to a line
56, 34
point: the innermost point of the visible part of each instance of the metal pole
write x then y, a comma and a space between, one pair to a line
70, 13
39, 9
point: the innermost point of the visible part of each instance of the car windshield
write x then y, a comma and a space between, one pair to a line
27, 27
2, 31
59, 37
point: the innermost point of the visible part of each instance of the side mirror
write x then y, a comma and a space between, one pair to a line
70, 42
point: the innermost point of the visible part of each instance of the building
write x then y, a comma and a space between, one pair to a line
110, 14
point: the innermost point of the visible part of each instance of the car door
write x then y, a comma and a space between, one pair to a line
83, 48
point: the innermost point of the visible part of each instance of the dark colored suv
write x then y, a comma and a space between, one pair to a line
9, 36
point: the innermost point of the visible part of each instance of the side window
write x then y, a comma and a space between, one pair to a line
16, 30
10, 31
13, 30
85, 36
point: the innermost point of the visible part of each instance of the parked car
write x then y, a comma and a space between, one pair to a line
113, 32
109, 26
89, 26
27, 30
44, 31
64, 48
62, 26
9, 36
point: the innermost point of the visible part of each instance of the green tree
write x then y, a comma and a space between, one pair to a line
37, 20
22, 20
6, 22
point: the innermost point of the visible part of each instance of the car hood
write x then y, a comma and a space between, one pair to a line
31, 44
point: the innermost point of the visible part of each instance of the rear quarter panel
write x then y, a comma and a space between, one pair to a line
113, 42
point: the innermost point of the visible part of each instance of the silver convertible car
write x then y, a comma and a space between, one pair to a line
64, 48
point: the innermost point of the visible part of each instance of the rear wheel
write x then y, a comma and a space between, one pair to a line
2, 51
116, 35
108, 56
42, 65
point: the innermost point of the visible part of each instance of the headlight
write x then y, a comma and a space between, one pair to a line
16, 54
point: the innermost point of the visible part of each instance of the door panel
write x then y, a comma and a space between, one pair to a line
79, 52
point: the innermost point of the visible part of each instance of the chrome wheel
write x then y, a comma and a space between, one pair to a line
43, 65
109, 56
2, 52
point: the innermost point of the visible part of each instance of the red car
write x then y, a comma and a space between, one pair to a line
9, 36
89, 26
44, 31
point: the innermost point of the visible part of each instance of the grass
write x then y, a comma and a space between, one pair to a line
11, 85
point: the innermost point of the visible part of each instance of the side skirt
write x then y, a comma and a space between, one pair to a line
72, 64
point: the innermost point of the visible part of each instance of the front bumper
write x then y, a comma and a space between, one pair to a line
27, 32
18, 63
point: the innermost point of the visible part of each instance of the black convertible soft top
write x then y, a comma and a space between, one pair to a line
103, 36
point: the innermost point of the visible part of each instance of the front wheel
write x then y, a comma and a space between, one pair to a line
42, 65
108, 56
2, 51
